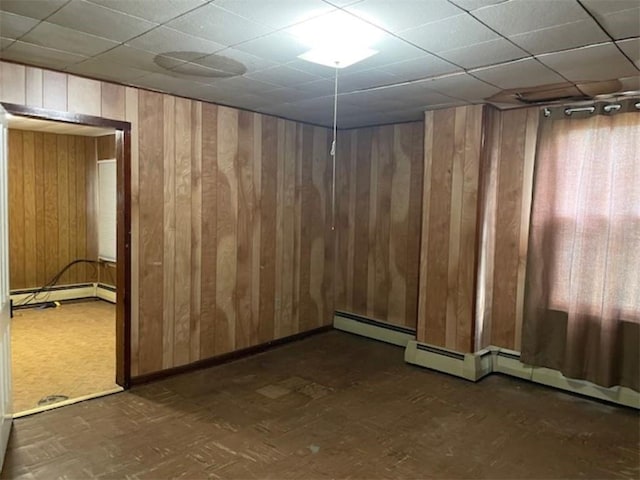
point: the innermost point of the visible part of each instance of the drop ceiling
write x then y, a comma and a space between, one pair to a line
432, 53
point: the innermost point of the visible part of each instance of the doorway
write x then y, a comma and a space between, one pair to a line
69, 265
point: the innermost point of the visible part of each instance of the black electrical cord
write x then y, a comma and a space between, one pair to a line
53, 281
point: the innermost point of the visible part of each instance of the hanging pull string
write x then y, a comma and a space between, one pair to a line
333, 151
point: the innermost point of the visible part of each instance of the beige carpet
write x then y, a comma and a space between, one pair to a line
69, 350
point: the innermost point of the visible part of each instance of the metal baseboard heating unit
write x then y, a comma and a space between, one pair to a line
374, 329
474, 366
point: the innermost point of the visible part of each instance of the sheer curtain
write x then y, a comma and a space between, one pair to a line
582, 294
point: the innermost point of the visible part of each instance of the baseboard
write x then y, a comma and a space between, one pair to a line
226, 357
56, 294
106, 292
366, 327
70, 401
474, 366
465, 365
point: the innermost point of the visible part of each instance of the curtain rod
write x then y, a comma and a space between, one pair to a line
602, 108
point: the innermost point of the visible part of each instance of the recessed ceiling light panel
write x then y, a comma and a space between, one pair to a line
337, 39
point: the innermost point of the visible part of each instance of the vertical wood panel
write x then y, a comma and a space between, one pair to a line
131, 115
13, 83
84, 96
268, 228
169, 219
112, 101
245, 221
196, 231
34, 89
209, 230
182, 279
38, 147
16, 207
54, 88
226, 232
29, 206
150, 199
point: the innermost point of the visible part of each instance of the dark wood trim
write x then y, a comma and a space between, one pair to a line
227, 357
123, 255
123, 265
65, 117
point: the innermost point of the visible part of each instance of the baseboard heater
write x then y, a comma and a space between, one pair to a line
79, 291
375, 329
475, 366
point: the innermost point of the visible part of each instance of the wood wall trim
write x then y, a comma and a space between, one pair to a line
64, 116
227, 357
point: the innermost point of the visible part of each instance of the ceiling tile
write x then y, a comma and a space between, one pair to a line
165, 40
218, 25
5, 42
97, 68
316, 69
317, 88
276, 13
630, 84
289, 94
278, 47
175, 85
367, 79
54, 36
160, 12
82, 16
39, 9
450, 33
14, 26
403, 14
605, 7
622, 24
462, 86
242, 85
283, 76
561, 37
250, 62
390, 50
631, 48
135, 58
422, 67
518, 16
470, 5
40, 56
595, 62
485, 53
519, 74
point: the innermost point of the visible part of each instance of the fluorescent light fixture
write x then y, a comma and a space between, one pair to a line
337, 39
337, 58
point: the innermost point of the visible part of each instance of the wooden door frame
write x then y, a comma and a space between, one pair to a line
123, 248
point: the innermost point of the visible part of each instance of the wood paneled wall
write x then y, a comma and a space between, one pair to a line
507, 185
51, 197
452, 146
379, 195
231, 237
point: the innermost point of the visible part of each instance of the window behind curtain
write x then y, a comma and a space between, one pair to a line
582, 297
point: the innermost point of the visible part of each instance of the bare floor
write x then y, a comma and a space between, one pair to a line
331, 406
69, 350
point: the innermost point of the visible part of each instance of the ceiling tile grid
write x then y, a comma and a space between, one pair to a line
431, 53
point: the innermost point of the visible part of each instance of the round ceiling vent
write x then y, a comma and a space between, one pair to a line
198, 64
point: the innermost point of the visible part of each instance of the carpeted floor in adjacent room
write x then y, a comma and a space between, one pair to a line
69, 350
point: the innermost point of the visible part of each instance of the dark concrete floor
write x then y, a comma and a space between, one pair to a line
330, 406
